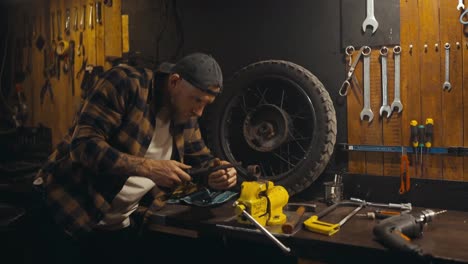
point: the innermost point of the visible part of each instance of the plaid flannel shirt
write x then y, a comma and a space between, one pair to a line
83, 174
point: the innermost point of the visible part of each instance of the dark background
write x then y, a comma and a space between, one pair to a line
238, 33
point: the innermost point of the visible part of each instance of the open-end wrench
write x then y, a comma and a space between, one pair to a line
90, 25
447, 86
385, 107
396, 100
460, 5
370, 19
82, 19
366, 110
75, 20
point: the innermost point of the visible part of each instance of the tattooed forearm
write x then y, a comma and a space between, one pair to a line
131, 165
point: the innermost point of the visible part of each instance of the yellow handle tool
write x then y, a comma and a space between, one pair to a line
313, 224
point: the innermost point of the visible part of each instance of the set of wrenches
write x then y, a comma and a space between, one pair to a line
365, 52
385, 108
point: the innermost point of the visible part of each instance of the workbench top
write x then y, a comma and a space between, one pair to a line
446, 238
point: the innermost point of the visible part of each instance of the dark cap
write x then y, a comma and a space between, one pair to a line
199, 69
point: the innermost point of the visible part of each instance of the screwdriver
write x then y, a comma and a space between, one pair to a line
379, 214
429, 132
414, 140
421, 134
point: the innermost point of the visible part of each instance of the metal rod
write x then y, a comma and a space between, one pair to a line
350, 215
266, 232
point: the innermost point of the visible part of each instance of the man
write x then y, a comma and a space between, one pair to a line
136, 132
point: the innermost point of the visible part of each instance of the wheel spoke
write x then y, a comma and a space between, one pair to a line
282, 99
281, 158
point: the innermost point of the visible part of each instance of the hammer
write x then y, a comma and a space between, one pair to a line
290, 225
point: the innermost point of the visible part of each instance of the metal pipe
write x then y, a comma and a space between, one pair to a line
263, 229
266, 232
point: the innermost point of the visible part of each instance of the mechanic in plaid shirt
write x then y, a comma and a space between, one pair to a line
136, 131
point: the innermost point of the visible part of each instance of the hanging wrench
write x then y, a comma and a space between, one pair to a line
75, 20
385, 107
447, 86
460, 5
366, 110
90, 25
396, 100
82, 19
370, 19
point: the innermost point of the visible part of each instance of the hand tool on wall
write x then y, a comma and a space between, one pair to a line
428, 134
294, 219
51, 50
396, 99
421, 135
98, 13
367, 111
71, 58
414, 142
82, 19
404, 172
40, 41
313, 224
396, 232
385, 107
370, 20
75, 18
90, 25
63, 48
460, 5
447, 86
80, 50
352, 66
67, 21
47, 86
59, 38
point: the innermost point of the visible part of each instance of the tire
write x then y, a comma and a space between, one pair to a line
278, 115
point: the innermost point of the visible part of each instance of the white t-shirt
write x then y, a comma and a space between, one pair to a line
126, 201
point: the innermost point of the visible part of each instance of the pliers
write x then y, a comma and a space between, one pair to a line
46, 87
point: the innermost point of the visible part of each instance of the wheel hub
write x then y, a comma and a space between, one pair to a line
266, 127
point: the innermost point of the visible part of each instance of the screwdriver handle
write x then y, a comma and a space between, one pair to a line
429, 132
414, 133
421, 134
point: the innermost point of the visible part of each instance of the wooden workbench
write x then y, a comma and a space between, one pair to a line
446, 238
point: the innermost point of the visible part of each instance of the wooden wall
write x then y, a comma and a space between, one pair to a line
100, 41
423, 22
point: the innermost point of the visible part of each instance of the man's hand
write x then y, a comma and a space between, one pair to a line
166, 173
223, 179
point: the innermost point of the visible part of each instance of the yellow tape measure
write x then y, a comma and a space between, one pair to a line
62, 47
